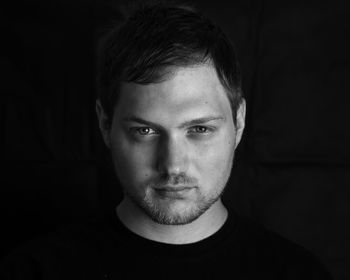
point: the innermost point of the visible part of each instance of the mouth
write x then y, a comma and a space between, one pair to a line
176, 192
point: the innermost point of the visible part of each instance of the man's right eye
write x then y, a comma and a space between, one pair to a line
144, 131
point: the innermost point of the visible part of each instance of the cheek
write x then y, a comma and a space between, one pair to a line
132, 163
215, 160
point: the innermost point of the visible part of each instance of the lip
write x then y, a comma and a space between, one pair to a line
174, 192
174, 189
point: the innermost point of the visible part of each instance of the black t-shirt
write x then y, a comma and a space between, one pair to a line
106, 249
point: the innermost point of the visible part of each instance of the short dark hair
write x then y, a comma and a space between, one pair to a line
156, 37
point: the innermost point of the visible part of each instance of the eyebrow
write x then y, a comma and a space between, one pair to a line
193, 122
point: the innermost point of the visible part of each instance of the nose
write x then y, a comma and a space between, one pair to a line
173, 157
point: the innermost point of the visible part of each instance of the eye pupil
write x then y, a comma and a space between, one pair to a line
201, 129
144, 130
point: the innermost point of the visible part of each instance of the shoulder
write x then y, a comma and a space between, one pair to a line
289, 259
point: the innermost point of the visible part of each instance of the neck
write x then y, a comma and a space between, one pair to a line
138, 222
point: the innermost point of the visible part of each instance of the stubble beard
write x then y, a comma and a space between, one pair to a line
165, 212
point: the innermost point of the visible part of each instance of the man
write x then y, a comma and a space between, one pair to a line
171, 112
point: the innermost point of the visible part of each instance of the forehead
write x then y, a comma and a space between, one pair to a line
186, 93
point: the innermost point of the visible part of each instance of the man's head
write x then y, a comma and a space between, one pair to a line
171, 110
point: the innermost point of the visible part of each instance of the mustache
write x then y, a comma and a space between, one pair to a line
172, 180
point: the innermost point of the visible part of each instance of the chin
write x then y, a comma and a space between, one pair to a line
178, 212
173, 217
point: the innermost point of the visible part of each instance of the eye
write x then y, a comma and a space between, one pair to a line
144, 131
199, 129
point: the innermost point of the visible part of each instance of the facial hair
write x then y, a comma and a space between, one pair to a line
161, 212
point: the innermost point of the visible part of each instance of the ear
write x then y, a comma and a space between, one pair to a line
103, 123
240, 121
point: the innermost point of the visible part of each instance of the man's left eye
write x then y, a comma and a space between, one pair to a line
199, 129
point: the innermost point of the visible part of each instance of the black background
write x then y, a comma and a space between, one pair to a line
292, 170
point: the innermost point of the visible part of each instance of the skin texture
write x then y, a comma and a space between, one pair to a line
172, 144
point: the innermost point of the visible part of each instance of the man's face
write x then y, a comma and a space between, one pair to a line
173, 143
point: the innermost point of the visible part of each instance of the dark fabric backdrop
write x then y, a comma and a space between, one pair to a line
292, 170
